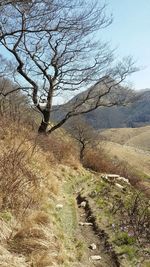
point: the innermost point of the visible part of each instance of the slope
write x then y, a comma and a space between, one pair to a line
136, 114
136, 137
40, 221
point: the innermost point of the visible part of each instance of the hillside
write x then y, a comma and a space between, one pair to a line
53, 212
130, 145
136, 137
134, 115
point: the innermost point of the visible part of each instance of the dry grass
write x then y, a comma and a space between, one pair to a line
34, 178
7, 259
60, 148
136, 137
136, 158
99, 161
32, 172
27, 184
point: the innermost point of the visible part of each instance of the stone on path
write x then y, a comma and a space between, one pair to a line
59, 206
85, 223
93, 246
83, 204
88, 223
81, 223
95, 257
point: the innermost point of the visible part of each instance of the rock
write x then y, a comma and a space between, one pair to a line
104, 177
123, 179
113, 225
81, 223
88, 223
95, 257
93, 246
110, 178
85, 223
119, 186
59, 206
83, 204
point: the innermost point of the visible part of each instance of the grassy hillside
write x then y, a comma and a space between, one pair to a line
42, 223
136, 137
136, 158
129, 144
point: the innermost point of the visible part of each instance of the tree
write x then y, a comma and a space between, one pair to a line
56, 52
84, 134
14, 106
8, 2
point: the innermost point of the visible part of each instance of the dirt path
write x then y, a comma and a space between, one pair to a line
91, 234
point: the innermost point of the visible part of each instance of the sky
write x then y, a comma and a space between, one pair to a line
130, 33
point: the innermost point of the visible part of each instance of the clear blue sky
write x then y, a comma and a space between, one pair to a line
130, 33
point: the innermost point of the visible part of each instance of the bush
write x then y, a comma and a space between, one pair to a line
17, 182
125, 239
98, 161
62, 149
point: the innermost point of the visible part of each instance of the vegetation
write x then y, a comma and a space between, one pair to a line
34, 179
122, 214
58, 204
84, 135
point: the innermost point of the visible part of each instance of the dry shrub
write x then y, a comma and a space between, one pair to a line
125, 170
33, 238
43, 259
33, 234
25, 177
98, 161
38, 217
47, 258
17, 183
63, 149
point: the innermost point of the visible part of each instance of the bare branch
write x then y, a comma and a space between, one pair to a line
55, 49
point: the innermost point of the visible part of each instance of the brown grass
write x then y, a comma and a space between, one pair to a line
98, 160
30, 183
61, 147
136, 137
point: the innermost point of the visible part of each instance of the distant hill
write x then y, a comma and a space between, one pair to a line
134, 137
136, 114
131, 145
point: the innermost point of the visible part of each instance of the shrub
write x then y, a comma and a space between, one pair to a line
97, 160
17, 182
124, 239
62, 149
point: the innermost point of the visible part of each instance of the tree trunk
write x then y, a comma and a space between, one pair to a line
44, 123
82, 153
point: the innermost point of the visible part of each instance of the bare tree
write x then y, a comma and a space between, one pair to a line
5, 67
84, 134
7, 2
14, 106
56, 51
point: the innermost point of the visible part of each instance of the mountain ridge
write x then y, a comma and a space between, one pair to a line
136, 114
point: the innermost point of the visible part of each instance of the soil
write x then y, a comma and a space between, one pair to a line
90, 234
